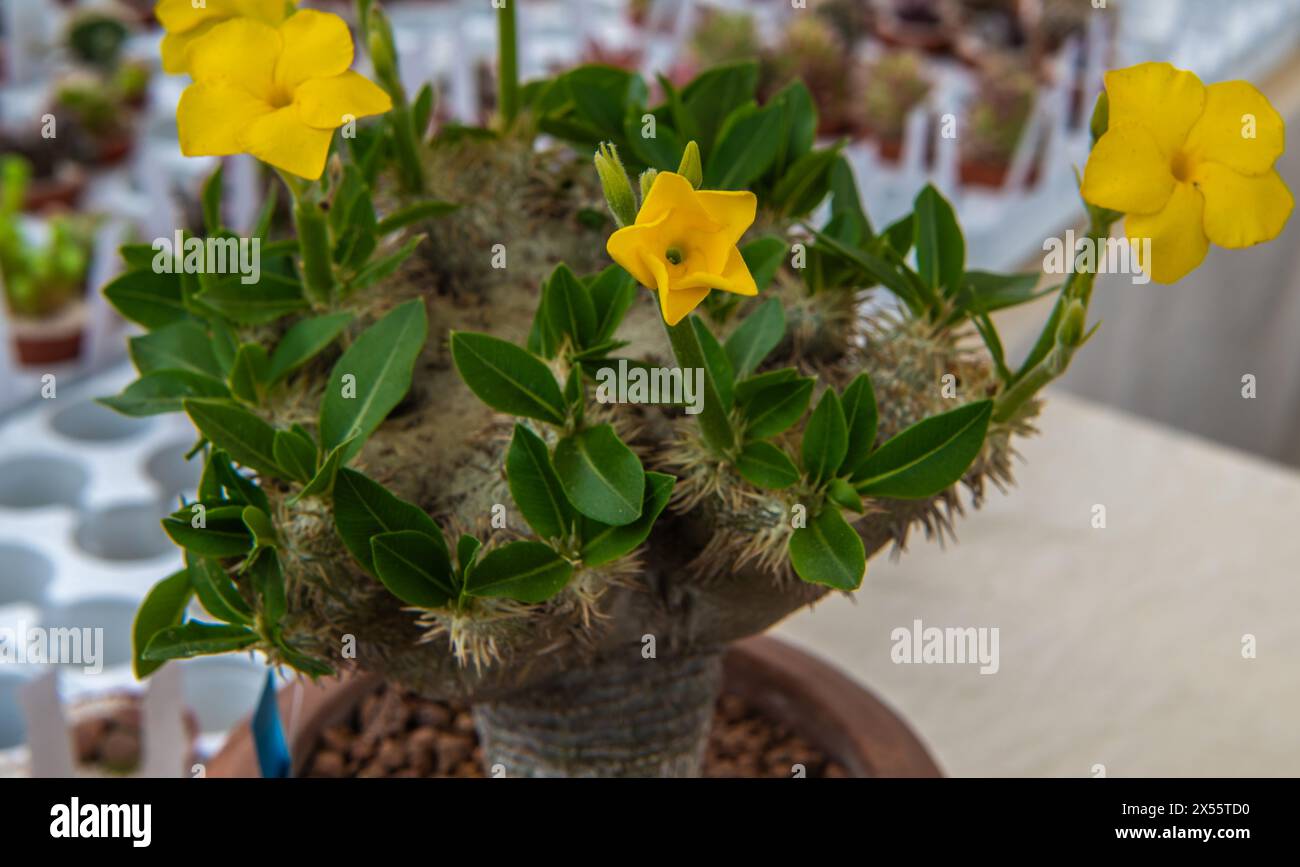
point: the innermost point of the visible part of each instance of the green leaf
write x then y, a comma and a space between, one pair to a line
182, 345
862, 417
267, 579
236, 486
927, 457
295, 454
322, 483
422, 111
506, 377
940, 248
152, 300
303, 342
757, 336
900, 234
198, 639
570, 309
717, 365
613, 292
247, 438
747, 388
829, 551
535, 487
714, 95
163, 607
776, 407
413, 567
467, 548
217, 592
984, 292
749, 141
262, 228
259, 524
805, 184
842, 494
763, 257
163, 391
602, 477
211, 198
223, 533
825, 438
271, 297
523, 571
875, 267
430, 209
380, 362
604, 543
846, 206
383, 267
248, 373
363, 508
799, 120
767, 466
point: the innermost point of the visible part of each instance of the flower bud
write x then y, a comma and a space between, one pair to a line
647, 181
1100, 117
1069, 332
383, 53
690, 167
615, 183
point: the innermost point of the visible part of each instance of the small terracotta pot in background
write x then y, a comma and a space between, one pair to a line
811, 698
48, 341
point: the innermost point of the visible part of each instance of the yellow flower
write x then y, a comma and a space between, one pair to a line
1188, 164
184, 23
683, 243
276, 93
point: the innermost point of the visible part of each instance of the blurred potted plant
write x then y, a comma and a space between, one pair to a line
891, 87
812, 52
97, 116
995, 123
723, 36
44, 282
991, 25
924, 25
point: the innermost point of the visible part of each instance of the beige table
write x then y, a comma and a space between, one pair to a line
1119, 646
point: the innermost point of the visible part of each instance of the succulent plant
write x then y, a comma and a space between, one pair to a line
891, 87
409, 466
999, 112
811, 51
723, 36
39, 279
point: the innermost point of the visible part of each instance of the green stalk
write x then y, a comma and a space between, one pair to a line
1072, 305
714, 423
314, 244
507, 63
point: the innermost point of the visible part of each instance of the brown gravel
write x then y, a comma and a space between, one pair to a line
108, 739
397, 734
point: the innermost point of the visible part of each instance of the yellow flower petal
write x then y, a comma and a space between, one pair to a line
1126, 172
658, 271
283, 140
1239, 129
211, 116
672, 193
737, 273
734, 210
676, 304
316, 45
180, 15
1177, 235
241, 52
625, 247
1165, 101
176, 49
1242, 211
325, 103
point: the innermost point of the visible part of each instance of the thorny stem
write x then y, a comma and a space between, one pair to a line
313, 241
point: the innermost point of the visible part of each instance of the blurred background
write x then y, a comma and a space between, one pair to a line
90, 161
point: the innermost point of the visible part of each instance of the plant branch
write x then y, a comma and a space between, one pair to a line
714, 423
507, 63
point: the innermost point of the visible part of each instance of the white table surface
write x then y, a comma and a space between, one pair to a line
1119, 646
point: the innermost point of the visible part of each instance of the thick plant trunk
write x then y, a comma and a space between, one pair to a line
649, 718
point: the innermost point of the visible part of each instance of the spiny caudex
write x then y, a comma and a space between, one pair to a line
412, 463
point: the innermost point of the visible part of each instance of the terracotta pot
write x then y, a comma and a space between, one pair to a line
812, 698
61, 190
890, 149
981, 173
39, 342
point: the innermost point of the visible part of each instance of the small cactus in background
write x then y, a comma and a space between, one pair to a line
998, 113
890, 88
